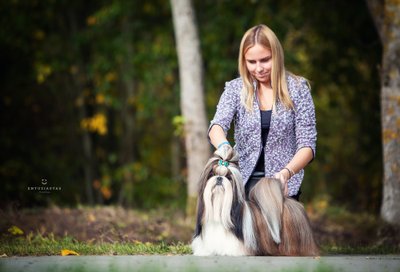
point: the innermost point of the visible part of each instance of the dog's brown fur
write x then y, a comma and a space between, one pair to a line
296, 237
265, 244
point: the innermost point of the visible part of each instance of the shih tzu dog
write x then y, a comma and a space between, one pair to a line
267, 224
281, 224
223, 217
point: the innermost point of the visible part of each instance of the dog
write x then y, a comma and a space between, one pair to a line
267, 224
281, 224
224, 221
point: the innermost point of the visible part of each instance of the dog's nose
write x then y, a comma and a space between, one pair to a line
219, 180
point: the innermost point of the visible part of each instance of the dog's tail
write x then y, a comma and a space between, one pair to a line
268, 197
297, 236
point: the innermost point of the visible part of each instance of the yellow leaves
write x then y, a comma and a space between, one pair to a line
318, 206
100, 99
140, 243
14, 230
111, 76
39, 35
42, 72
163, 235
91, 217
322, 204
393, 73
91, 20
66, 252
96, 184
389, 135
105, 190
97, 124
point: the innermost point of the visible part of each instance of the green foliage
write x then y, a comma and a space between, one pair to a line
90, 96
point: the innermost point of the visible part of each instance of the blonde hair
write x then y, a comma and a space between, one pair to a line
263, 35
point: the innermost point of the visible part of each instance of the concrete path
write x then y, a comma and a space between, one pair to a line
191, 263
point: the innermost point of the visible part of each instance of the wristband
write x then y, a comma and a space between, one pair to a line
223, 143
291, 173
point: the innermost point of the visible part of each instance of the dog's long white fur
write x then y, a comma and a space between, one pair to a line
216, 240
216, 237
248, 229
218, 202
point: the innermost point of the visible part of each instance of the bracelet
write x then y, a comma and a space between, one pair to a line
223, 143
291, 173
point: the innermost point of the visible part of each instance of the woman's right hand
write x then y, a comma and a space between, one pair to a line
224, 150
283, 176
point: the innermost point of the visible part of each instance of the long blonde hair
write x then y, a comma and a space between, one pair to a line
263, 35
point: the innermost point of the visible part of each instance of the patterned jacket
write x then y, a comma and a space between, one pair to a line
290, 130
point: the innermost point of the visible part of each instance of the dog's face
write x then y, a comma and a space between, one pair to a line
218, 199
221, 194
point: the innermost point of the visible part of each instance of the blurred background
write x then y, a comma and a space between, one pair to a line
90, 97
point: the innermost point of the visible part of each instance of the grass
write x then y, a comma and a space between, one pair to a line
38, 245
359, 250
117, 231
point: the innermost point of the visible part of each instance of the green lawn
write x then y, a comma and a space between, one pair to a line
41, 246
37, 245
119, 231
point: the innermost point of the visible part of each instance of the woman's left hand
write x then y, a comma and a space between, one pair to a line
283, 177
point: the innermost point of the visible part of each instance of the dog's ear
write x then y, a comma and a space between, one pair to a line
199, 218
237, 218
208, 172
268, 196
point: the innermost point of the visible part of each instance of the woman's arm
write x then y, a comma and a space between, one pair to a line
300, 160
225, 113
217, 136
306, 135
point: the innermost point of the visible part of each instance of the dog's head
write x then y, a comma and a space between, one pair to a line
221, 192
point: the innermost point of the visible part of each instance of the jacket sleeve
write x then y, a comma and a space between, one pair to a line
226, 108
305, 122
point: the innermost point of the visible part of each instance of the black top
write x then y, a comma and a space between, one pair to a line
265, 124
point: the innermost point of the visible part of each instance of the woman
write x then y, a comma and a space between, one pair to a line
273, 112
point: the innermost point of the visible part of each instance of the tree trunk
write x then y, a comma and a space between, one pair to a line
78, 86
126, 151
386, 16
192, 98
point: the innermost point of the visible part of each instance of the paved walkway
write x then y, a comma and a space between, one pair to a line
191, 263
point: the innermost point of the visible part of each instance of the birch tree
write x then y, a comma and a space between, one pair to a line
192, 98
386, 15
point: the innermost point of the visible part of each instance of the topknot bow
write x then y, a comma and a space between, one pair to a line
223, 163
